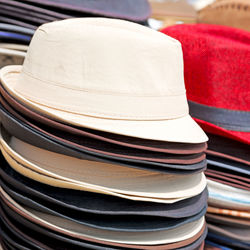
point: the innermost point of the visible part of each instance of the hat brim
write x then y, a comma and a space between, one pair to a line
12, 52
14, 46
214, 129
183, 129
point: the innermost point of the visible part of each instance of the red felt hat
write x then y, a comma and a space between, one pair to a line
217, 77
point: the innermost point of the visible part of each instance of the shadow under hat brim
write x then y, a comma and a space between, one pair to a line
183, 129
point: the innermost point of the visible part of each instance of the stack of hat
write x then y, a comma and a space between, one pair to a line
32, 13
19, 19
227, 12
99, 150
13, 43
217, 72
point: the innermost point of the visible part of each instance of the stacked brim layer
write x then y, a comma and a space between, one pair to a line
31, 14
96, 189
150, 222
12, 44
229, 191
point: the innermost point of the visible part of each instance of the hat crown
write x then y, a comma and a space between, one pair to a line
106, 56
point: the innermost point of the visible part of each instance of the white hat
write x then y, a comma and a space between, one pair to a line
109, 75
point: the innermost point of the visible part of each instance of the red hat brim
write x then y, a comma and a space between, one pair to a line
213, 129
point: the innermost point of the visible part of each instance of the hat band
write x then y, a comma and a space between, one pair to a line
102, 105
228, 119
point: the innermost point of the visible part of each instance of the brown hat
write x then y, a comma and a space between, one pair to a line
227, 12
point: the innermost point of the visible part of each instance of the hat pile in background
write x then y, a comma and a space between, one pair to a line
226, 12
19, 19
168, 12
92, 158
216, 63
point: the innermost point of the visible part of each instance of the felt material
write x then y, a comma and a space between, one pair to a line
15, 28
133, 142
120, 223
87, 144
228, 148
157, 197
93, 203
20, 13
37, 20
237, 177
227, 220
91, 176
28, 134
209, 245
10, 230
213, 129
235, 233
223, 163
8, 20
226, 156
32, 8
5, 245
132, 10
35, 240
67, 227
227, 180
228, 241
56, 239
14, 37
225, 118
199, 42
11, 243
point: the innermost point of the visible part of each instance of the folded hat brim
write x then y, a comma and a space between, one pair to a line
183, 129
214, 129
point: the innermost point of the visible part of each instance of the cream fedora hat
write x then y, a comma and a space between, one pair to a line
108, 75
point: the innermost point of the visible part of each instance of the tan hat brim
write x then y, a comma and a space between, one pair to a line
183, 129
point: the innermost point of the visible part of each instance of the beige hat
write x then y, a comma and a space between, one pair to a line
109, 75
